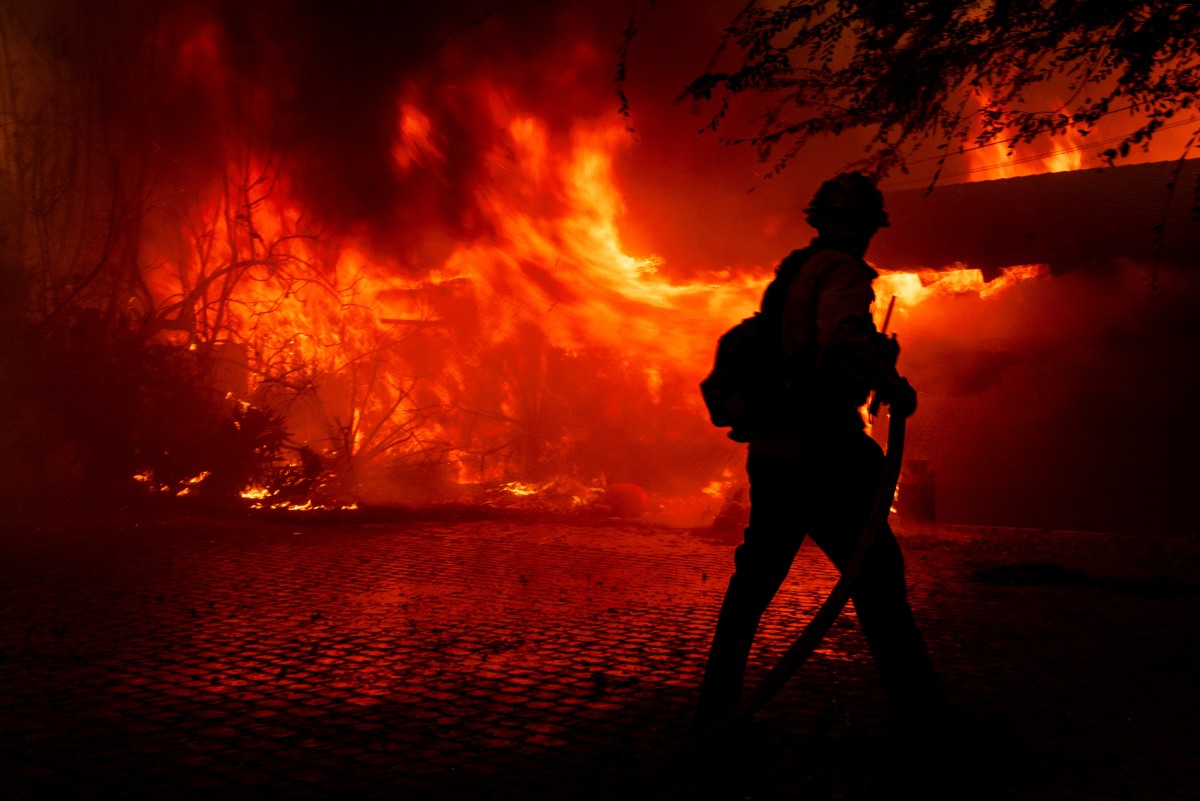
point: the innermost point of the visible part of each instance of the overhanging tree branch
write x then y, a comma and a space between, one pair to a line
932, 70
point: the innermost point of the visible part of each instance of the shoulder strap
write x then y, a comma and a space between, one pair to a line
775, 295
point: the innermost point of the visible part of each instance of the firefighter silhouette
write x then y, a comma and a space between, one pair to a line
813, 469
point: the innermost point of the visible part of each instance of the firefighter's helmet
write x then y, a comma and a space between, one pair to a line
851, 200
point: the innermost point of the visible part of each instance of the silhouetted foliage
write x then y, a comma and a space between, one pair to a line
246, 449
91, 412
955, 73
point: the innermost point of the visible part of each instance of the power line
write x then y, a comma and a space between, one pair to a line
1023, 159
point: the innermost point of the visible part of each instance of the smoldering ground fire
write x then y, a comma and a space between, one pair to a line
409, 258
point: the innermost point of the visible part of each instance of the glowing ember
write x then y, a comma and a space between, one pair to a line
189, 484
148, 480
307, 506
519, 489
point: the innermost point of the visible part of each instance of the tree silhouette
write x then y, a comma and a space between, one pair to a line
958, 74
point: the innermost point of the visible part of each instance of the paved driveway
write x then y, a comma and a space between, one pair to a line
443, 658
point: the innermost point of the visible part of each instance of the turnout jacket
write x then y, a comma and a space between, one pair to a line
829, 338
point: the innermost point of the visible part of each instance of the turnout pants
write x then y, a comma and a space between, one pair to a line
827, 495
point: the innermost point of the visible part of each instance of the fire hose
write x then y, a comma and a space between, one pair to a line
819, 626
804, 646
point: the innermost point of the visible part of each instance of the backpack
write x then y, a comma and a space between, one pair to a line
752, 379
730, 391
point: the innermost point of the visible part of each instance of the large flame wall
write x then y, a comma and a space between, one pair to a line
428, 239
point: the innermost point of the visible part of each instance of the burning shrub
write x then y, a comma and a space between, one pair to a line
246, 450
91, 410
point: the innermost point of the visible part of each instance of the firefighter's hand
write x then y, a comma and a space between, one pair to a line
887, 351
901, 398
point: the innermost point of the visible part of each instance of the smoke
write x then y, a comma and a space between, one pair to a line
1062, 402
191, 85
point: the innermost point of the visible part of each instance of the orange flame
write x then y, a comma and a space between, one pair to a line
476, 365
911, 289
538, 357
1016, 159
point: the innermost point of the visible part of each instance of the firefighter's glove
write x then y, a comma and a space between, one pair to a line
887, 351
900, 397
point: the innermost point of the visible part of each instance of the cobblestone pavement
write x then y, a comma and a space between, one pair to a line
517, 659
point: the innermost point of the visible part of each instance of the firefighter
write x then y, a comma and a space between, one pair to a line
813, 469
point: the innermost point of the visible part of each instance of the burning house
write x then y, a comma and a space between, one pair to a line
320, 262
340, 344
